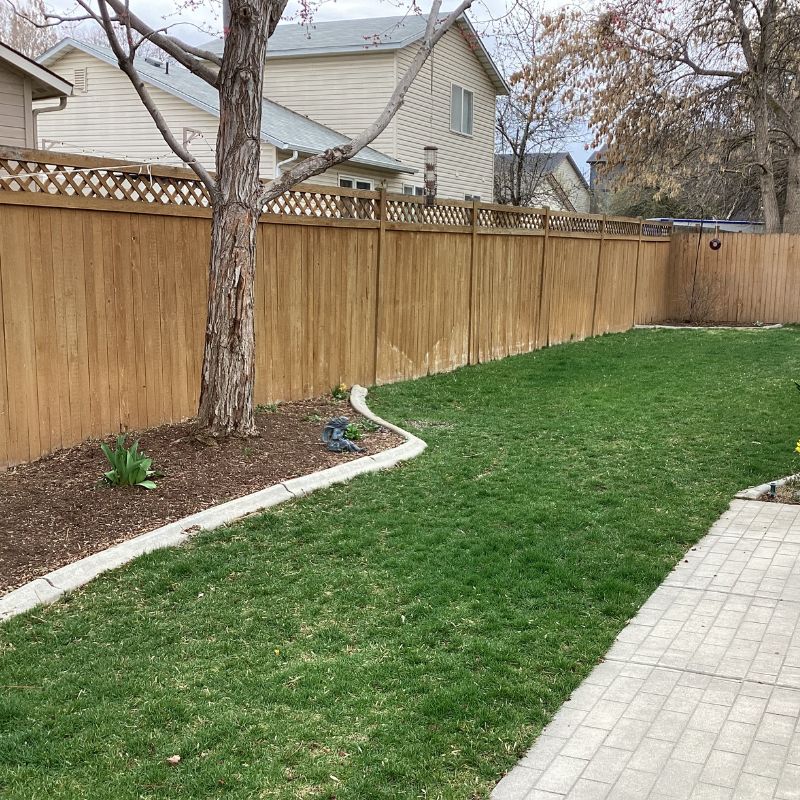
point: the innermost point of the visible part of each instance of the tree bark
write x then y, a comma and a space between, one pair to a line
766, 178
791, 214
228, 375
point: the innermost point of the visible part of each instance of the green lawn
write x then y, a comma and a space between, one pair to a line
407, 635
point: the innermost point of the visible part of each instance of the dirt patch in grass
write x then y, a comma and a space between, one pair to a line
57, 509
789, 493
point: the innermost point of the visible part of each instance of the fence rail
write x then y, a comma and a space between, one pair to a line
90, 177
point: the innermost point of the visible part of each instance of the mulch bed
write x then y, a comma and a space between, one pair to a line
788, 493
56, 510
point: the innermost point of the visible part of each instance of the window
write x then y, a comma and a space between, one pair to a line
472, 197
355, 183
461, 103
80, 80
415, 190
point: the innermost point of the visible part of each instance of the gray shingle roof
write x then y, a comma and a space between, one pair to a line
362, 35
543, 163
280, 126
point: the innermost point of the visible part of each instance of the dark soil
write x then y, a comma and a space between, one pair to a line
788, 493
682, 323
58, 509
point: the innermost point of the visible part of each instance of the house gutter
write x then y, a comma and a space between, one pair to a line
281, 164
62, 104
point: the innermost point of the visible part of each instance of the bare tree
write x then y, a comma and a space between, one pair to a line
694, 85
532, 122
236, 193
17, 32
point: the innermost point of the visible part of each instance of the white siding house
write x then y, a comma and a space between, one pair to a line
323, 84
21, 82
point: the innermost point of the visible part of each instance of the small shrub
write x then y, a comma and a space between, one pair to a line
352, 432
270, 408
129, 467
340, 392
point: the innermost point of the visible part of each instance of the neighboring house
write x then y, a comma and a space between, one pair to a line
21, 82
548, 179
325, 82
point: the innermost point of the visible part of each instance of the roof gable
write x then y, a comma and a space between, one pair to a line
280, 126
45, 84
370, 35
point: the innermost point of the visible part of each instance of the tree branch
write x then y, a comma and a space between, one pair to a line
126, 64
336, 155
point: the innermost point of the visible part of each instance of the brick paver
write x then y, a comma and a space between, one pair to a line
699, 697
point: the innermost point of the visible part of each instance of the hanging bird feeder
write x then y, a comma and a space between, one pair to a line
430, 174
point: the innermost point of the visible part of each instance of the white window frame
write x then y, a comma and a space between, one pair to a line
355, 181
458, 90
416, 191
472, 197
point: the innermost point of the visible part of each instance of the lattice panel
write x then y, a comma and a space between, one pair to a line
107, 184
419, 214
521, 219
569, 224
617, 227
320, 204
19, 173
657, 229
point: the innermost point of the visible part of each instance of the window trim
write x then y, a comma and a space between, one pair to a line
416, 191
355, 181
471, 198
462, 89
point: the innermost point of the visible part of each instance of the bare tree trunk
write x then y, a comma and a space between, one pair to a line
791, 214
228, 376
766, 178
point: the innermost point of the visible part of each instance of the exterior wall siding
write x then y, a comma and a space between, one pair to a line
109, 119
574, 187
15, 128
344, 92
465, 163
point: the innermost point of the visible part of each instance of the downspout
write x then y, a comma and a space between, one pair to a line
62, 104
281, 164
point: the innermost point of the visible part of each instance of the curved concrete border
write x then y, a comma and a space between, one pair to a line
771, 327
755, 492
50, 587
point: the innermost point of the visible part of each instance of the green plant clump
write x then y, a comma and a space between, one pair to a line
129, 467
340, 392
352, 432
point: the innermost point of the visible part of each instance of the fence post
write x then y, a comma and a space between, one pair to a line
636, 274
597, 273
382, 215
542, 275
473, 318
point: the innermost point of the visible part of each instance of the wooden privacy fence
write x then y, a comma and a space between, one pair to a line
103, 271
753, 277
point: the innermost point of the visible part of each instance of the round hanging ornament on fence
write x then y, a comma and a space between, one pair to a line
715, 244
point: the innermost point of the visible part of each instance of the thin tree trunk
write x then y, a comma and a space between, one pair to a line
228, 375
769, 194
791, 214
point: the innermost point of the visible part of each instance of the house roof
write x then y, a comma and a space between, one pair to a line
374, 34
44, 83
547, 163
280, 126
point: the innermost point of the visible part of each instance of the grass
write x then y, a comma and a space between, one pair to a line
407, 635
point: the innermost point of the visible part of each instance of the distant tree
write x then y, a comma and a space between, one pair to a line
688, 88
532, 122
236, 193
17, 32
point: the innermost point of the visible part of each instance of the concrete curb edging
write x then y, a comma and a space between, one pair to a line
771, 327
50, 587
754, 492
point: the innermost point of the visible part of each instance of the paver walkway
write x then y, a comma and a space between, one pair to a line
699, 697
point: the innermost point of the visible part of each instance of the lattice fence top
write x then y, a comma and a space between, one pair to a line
68, 175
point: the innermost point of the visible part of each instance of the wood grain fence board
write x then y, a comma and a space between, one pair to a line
615, 296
